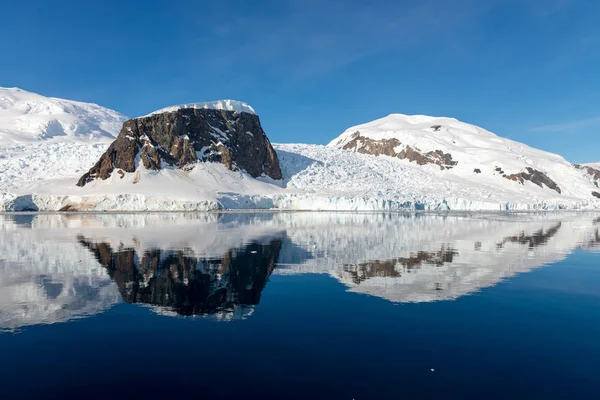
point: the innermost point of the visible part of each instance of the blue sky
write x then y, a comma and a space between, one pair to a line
524, 69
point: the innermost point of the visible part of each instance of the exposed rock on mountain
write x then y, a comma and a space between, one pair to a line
535, 176
180, 137
393, 148
593, 172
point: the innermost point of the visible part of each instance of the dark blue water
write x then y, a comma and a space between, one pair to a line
286, 314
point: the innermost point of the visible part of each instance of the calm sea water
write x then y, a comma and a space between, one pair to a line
299, 305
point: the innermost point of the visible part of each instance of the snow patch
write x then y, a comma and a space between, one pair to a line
227, 105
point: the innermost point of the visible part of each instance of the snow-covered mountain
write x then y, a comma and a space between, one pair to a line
455, 151
395, 163
27, 117
45, 138
181, 137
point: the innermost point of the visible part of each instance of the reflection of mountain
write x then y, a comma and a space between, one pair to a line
190, 285
412, 258
396, 267
533, 240
195, 263
45, 281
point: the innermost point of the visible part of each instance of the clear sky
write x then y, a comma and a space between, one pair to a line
525, 69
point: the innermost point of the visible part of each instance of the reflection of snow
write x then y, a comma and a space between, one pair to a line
429, 258
47, 276
44, 281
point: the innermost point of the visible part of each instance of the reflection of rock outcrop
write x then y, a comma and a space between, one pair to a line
433, 258
536, 239
187, 284
444, 274
397, 267
593, 242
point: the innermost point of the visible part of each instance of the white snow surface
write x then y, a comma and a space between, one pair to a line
593, 165
227, 105
42, 176
29, 117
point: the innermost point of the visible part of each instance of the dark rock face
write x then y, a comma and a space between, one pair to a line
365, 145
184, 137
593, 172
534, 176
596, 194
185, 284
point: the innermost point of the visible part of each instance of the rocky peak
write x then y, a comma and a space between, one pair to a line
181, 136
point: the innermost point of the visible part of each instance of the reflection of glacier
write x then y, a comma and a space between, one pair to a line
58, 267
44, 281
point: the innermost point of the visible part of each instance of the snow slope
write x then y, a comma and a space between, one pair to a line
45, 138
593, 165
328, 178
27, 117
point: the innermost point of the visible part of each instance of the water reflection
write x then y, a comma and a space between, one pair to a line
54, 268
177, 281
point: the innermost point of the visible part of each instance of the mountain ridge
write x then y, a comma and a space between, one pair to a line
395, 163
29, 117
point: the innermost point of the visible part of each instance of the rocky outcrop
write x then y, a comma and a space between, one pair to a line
389, 147
592, 172
596, 194
186, 136
534, 176
185, 284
